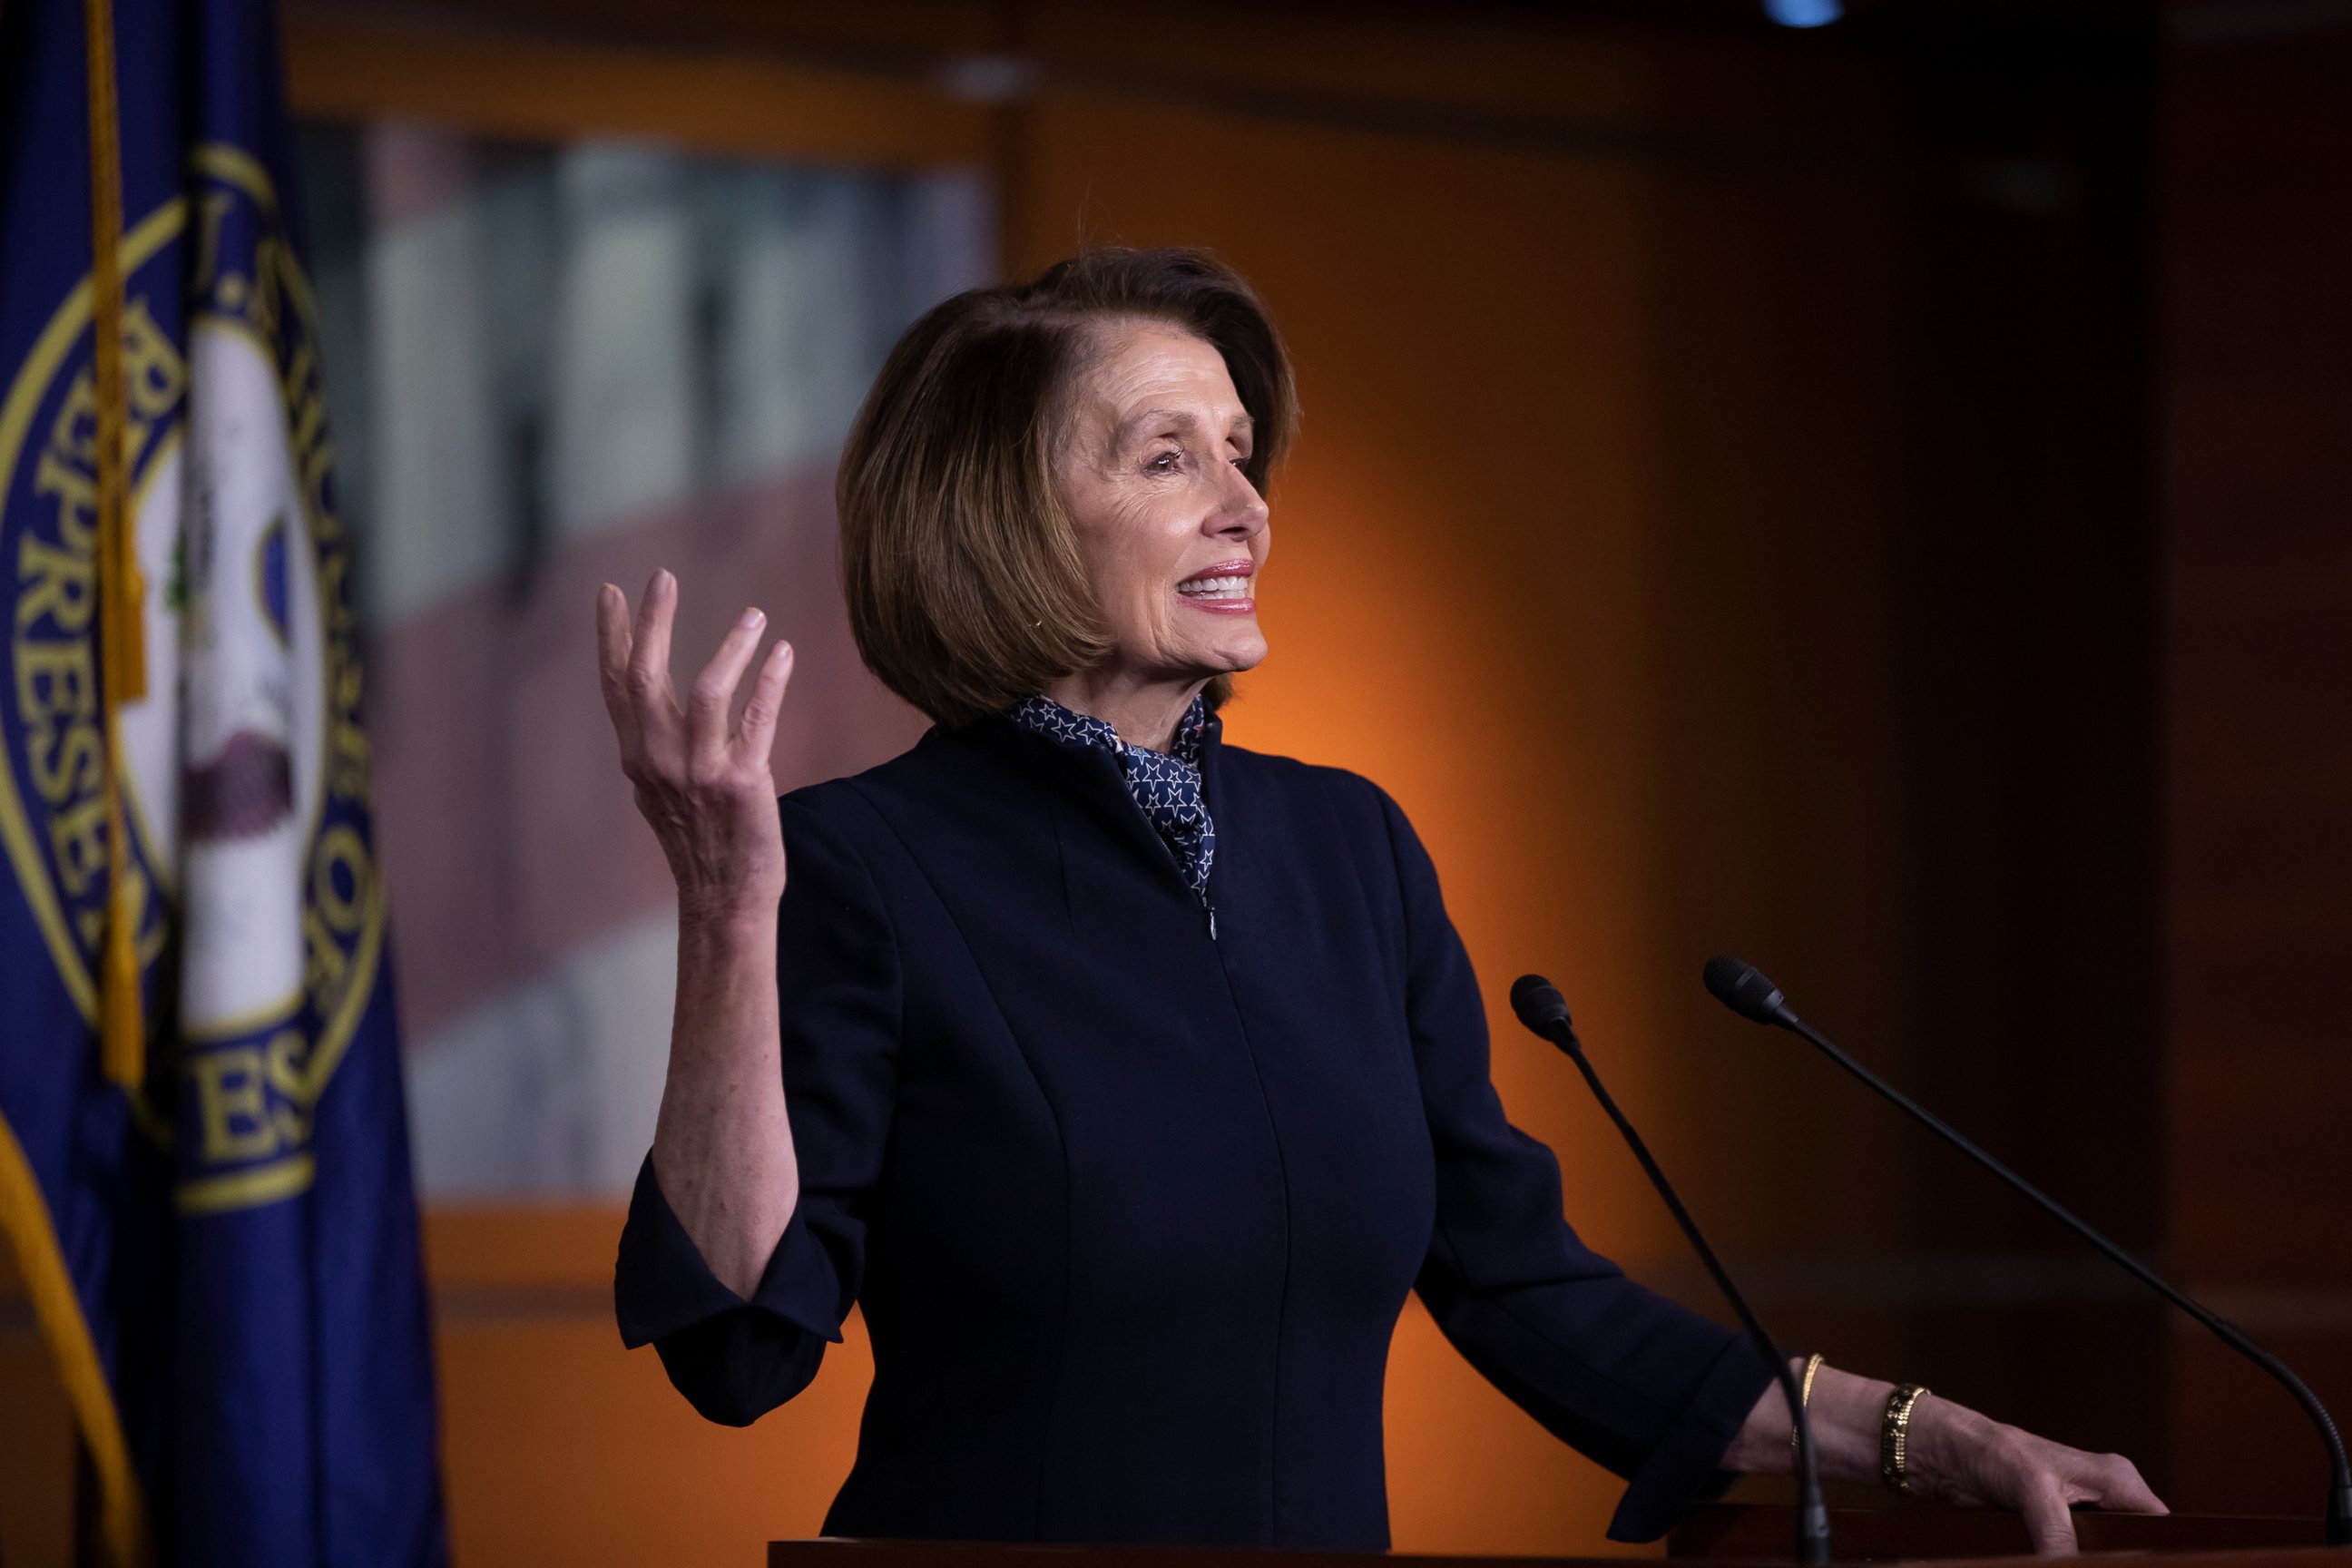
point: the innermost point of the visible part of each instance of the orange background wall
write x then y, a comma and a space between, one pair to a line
1722, 519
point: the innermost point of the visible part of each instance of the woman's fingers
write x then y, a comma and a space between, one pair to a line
714, 688
2057, 1476
1975, 1463
648, 678
757, 735
2047, 1521
2112, 1482
613, 663
658, 742
2135, 1494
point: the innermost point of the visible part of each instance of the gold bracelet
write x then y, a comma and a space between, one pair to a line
1895, 1436
1804, 1400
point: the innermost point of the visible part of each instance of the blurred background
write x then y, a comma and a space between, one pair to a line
1864, 486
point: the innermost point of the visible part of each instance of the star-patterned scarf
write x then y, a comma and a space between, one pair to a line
1166, 785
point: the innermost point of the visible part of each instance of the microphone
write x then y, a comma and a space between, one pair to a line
1742, 987
1543, 1011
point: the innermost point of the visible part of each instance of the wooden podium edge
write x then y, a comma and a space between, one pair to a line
1764, 1532
1726, 1533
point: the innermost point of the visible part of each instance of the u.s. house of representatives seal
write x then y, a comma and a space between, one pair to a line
258, 914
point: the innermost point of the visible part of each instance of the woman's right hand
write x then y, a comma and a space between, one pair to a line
722, 1141
703, 783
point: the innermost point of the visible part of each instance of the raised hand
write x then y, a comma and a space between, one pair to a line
703, 783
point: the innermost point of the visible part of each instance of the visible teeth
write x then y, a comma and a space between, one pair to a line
1216, 587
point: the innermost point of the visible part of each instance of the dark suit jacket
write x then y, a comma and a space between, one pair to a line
1132, 1209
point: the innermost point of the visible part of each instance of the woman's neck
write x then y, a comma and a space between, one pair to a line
1144, 712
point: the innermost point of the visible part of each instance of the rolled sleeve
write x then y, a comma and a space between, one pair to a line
1685, 1464
663, 1285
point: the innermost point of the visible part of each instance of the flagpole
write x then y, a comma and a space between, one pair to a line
123, 665
121, 607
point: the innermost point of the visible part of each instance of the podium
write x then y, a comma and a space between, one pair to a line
1763, 1532
1759, 1533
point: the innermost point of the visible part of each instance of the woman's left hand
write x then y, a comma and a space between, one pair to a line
1953, 1454
1958, 1455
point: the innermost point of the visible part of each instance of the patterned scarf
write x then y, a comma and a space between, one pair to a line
1166, 785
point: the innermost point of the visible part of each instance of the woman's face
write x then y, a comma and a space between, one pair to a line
1172, 534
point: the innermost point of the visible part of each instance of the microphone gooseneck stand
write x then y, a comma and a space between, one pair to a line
1541, 1006
1743, 988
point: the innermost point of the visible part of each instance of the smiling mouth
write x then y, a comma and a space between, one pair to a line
1215, 588
1224, 586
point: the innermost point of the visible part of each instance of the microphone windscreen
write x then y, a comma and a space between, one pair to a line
1539, 1004
1741, 986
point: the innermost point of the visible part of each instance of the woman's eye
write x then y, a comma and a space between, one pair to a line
1165, 463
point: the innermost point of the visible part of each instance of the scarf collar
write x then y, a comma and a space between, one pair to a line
1166, 786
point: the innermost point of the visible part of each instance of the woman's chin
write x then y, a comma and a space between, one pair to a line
1241, 649
1235, 655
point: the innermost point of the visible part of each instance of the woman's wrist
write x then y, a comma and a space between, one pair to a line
1843, 1414
726, 980
1941, 1434
724, 917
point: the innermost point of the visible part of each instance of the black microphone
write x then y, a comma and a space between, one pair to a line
1543, 1010
1742, 988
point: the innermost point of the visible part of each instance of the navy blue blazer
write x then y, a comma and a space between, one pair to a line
1131, 1194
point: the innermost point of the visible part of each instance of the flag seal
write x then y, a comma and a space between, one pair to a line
244, 770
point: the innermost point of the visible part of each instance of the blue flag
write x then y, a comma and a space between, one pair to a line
203, 1159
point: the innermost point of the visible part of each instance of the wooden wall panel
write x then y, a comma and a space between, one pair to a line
560, 1447
542, 88
2257, 331
35, 1439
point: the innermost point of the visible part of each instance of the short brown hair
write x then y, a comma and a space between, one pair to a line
961, 564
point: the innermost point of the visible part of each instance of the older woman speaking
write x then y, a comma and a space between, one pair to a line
1127, 1079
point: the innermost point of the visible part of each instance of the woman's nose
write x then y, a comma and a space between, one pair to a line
1240, 510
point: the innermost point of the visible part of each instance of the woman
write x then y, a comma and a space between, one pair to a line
1127, 1079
